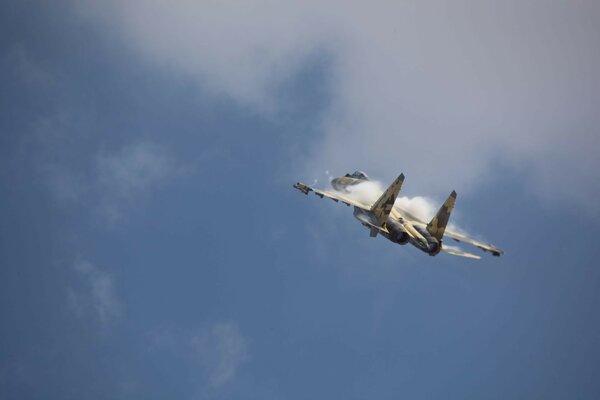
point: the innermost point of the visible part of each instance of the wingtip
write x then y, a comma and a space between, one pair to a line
302, 187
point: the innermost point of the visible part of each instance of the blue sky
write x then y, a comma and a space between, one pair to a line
152, 245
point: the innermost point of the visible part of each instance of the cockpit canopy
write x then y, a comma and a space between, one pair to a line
358, 175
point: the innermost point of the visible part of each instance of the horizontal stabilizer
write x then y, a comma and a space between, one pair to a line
459, 237
459, 253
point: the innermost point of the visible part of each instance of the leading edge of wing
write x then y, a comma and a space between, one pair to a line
335, 196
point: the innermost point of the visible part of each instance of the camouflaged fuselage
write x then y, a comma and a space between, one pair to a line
396, 224
396, 228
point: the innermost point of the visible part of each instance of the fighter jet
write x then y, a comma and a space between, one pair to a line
396, 224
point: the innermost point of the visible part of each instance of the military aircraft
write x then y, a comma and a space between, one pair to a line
396, 224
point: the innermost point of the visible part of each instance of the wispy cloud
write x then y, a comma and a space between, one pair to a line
23, 65
128, 174
240, 48
112, 181
445, 92
218, 350
133, 169
96, 296
221, 349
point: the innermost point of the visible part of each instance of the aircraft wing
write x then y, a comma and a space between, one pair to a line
335, 196
459, 237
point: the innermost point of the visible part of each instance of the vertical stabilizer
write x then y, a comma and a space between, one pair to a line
383, 206
437, 226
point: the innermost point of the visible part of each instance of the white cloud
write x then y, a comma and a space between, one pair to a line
221, 349
445, 91
128, 174
240, 48
64, 184
25, 67
218, 350
97, 295
112, 182
132, 169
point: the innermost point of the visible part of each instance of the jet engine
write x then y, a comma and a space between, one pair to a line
397, 233
434, 246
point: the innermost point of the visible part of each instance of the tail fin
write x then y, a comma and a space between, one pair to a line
383, 206
437, 226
